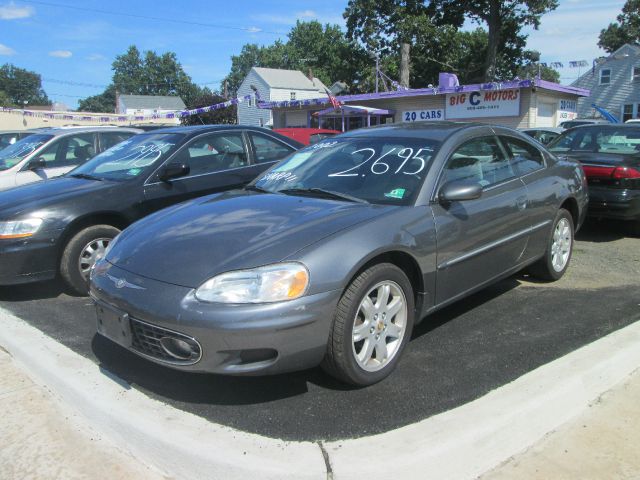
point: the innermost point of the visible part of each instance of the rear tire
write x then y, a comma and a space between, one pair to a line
371, 326
80, 254
557, 255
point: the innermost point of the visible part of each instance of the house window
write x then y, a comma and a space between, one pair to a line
628, 111
250, 102
293, 95
635, 74
605, 76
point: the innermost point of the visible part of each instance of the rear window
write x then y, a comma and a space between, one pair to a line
609, 139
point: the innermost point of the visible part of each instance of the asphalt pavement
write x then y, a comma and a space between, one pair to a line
457, 355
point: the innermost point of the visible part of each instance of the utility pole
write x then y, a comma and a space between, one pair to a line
377, 69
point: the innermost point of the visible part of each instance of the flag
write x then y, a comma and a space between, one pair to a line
335, 103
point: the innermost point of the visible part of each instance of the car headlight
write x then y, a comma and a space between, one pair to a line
273, 283
19, 228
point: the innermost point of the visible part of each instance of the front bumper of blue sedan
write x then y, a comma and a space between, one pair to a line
31, 259
168, 325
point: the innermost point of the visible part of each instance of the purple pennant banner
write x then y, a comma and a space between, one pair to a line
129, 118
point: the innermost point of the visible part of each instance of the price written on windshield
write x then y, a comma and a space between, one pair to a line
410, 163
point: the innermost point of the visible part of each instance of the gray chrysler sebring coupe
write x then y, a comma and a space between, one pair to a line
330, 257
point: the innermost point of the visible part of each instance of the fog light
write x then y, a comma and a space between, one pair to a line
178, 348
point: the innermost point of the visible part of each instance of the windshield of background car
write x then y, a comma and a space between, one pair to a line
377, 170
609, 139
15, 153
131, 158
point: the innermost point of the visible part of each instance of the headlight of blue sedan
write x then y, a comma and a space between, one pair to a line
20, 228
272, 283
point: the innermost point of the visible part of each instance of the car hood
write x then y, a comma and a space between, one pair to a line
40, 195
189, 244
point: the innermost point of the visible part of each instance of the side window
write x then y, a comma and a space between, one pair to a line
69, 151
109, 139
213, 153
268, 149
480, 160
525, 157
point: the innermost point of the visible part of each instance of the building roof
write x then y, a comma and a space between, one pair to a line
151, 102
323, 99
289, 79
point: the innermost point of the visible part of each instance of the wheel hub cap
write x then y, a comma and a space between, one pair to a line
379, 326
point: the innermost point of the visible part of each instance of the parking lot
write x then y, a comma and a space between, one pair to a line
456, 355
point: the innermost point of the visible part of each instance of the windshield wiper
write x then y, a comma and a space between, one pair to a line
85, 176
321, 192
256, 188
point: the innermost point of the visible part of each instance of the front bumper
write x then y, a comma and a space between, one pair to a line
28, 259
612, 203
233, 339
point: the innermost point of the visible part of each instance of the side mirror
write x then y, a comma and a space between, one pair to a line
459, 191
175, 170
37, 164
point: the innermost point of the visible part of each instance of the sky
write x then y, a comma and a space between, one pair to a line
72, 44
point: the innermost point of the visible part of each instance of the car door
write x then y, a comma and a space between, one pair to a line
478, 240
530, 163
267, 150
217, 161
62, 155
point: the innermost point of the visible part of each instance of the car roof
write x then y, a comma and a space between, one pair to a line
58, 131
194, 129
543, 129
437, 130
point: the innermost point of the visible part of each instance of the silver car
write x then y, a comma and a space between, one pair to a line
51, 152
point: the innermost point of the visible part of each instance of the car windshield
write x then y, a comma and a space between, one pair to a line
15, 153
131, 158
375, 170
608, 139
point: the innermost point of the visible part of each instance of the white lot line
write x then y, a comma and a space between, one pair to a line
461, 443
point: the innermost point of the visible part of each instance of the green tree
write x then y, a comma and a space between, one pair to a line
104, 102
216, 117
310, 45
20, 86
625, 30
504, 20
147, 74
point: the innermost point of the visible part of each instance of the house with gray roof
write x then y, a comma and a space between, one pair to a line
273, 85
614, 82
143, 105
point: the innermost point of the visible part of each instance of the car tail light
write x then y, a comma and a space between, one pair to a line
625, 172
617, 173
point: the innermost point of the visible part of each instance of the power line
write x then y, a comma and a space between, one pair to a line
93, 85
159, 19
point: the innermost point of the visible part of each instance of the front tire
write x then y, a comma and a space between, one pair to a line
557, 255
371, 326
81, 253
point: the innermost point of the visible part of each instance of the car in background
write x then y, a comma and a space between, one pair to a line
543, 134
610, 157
9, 137
65, 224
147, 127
633, 120
307, 136
577, 122
51, 152
334, 254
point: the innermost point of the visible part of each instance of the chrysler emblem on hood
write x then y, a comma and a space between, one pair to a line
121, 283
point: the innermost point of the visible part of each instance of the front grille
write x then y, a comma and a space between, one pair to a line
148, 340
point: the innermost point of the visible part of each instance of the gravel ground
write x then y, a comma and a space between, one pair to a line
604, 256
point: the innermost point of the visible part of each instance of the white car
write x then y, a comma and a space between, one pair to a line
51, 152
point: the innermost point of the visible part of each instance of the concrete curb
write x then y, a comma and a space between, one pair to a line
179, 444
462, 443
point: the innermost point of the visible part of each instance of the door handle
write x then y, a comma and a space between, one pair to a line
521, 202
